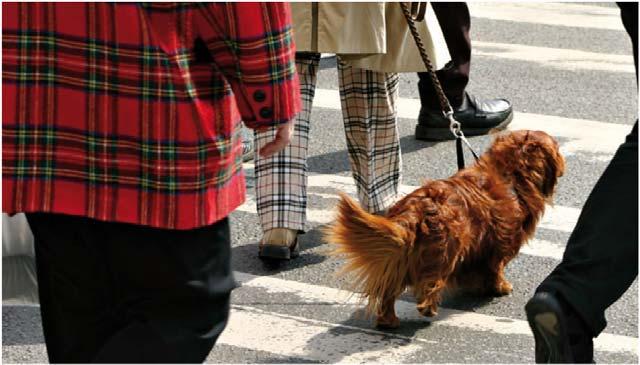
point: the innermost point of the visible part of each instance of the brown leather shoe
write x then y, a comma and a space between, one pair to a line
279, 244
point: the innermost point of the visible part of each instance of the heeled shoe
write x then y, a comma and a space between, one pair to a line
279, 244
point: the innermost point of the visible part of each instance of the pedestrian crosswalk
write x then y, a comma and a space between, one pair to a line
302, 336
279, 332
302, 313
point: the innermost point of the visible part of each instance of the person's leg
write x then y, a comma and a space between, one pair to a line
455, 22
281, 180
75, 299
124, 293
475, 115
598, 266
601, 258
173, 289
369, 114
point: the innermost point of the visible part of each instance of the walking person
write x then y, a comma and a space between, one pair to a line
121, 143
372, 43
600, 261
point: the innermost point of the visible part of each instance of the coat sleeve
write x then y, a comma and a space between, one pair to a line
252, 45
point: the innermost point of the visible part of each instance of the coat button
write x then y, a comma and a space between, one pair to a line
266, 113
259, 96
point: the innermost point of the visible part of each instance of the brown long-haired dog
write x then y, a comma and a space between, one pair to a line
457, 232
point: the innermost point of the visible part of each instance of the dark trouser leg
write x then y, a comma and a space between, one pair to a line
601, 258
123, 293
455, 22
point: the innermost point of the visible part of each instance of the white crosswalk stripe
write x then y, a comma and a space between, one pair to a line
558, 14
560, 58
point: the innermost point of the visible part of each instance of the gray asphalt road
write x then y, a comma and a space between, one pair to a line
596, 94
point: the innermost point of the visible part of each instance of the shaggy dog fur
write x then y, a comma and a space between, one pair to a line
457, 232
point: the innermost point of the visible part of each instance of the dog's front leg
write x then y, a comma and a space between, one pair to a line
429, 298
497, 283
387, 316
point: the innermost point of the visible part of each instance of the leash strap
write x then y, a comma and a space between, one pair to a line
417, 14
460, 151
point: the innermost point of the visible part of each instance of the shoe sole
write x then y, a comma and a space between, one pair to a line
424, 133
275, 252
549, 331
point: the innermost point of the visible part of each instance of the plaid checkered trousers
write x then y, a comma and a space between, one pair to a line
130, 112
369, 114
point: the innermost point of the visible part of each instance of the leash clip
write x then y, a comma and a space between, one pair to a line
454, 126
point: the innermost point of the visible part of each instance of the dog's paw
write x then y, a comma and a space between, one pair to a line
428, 310
387, 322
503, 288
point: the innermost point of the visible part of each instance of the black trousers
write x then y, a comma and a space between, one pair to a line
601, 258
455, 22
112, 293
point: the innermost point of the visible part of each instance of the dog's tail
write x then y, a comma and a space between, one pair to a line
375, 249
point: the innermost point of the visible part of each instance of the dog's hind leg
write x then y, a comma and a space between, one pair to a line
387, 316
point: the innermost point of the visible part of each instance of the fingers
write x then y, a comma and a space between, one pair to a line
284, 132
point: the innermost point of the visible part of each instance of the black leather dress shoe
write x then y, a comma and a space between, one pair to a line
477, 117
561, 336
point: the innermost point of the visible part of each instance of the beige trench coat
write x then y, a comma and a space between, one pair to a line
373, 36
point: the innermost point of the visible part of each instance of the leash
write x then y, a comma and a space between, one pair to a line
417, 14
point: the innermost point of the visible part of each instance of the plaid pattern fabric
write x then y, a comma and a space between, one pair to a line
368, 107
130, 112
281, 180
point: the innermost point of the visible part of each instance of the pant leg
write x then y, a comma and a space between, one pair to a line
601, 258
114, 293
369, 113
281, 180
455, 23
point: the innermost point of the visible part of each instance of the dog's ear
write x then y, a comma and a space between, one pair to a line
554, 168
539, 156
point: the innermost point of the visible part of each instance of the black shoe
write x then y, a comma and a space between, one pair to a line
477, 117
560, 335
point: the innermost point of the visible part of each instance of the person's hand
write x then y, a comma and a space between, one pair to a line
284, 132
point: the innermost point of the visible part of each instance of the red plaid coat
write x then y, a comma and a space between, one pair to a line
130, 112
